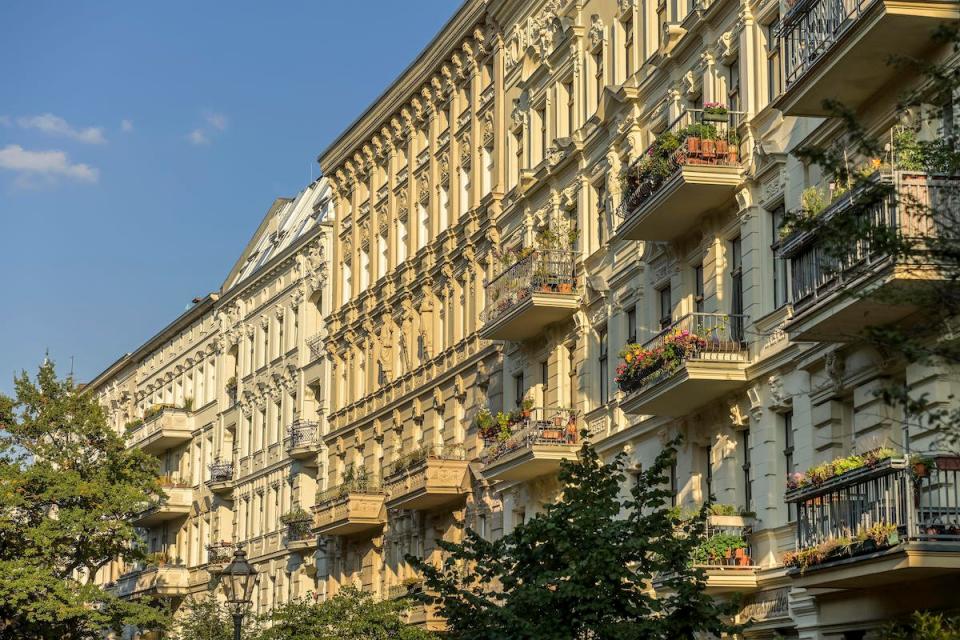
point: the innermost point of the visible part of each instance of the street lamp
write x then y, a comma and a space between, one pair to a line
238, 579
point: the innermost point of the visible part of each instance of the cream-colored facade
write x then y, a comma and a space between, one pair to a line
231, 398
492, 244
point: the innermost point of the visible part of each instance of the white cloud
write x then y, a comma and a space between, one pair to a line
55, 125
197, 136
126, 126
34, 168
216, 120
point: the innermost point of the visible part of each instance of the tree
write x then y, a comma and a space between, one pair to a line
929, 244
583, 567
209, 619
349, 615
69, 489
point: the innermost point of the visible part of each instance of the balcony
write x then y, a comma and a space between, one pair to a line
533, 446
298, 535
541, 288
221, 477
163, 581
219, 555
164, 427
694, 361
303, 441
884, 523
427, 478
354, 507
839, 49
690, 169
727, 555
839, 292
175, 505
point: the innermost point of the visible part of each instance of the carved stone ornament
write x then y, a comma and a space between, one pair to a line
465, 153
423, 191
596, 31
487, 130
444, 173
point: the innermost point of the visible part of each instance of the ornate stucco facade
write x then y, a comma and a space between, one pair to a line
496, 239
231, 398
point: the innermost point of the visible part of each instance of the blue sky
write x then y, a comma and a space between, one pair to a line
141, 144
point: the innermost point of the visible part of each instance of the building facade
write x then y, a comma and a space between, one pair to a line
550, 188
231, 398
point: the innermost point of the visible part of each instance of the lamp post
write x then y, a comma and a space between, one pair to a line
238, 579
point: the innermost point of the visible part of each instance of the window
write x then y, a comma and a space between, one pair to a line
673, 484
708, 474
666, 307
598, 74
401, 241
698, 288
423, 230
545, 378
571, 114
518, 389
774, 68
516, 157
486, 158
631, 325
602, 364
779, 271
444, 208
482, 526
736, 279
364, 269
628, 46
788, 456
281, 345
381, 255
542, 122
602, 227
747, 481
733, 85
347, 283
464, 190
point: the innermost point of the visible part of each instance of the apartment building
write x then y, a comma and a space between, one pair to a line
551, 193
550, 182
231, 398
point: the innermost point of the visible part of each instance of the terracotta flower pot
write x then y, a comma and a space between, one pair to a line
566, 287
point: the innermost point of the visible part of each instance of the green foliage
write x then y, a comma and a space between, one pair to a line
349, 615
924, 625
813, 200
581, 568
209, 619
715, 548
68, 491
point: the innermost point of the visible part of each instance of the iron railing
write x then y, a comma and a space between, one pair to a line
699, 138
543, 271
302, 433
921, 507
551, 426
220, 552
424, 453
812, 27
315, 344
912, 208
740, 557
364, 483
695, 336
221, 471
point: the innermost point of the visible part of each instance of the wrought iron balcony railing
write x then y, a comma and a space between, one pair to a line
696, 336
549, 426
362, 484
811, 28
315, 344
220, 552
302, 433
542, 271
420, 455
221, 471
893, 497
907, 203
696, 138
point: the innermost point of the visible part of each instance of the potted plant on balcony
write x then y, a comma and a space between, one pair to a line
486, 424
715, 112
921, 465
